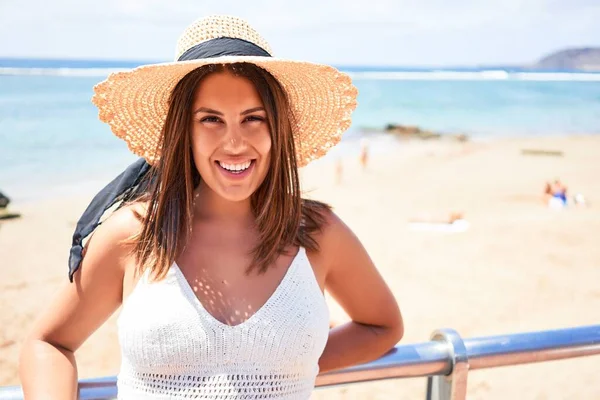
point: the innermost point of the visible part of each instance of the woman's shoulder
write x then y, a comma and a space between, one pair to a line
107, 251
127, 220
115, 230
330, 231
335, 232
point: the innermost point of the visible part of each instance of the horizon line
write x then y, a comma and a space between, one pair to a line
351, 65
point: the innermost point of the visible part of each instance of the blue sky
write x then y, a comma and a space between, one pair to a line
342, 32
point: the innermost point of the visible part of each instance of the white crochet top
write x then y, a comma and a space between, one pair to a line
173, 348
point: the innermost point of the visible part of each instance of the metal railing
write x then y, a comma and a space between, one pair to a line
445, 360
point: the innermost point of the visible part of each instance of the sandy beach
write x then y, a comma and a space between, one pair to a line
519, 266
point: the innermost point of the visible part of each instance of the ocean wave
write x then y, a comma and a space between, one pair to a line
59, 71
365, 75
474, 75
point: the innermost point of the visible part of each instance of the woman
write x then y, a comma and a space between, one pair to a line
218, 262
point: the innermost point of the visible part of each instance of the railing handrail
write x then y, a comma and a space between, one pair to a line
434, 358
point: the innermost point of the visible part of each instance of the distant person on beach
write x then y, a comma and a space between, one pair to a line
452, 222
219, 264
450, 218
364, 153
555, 194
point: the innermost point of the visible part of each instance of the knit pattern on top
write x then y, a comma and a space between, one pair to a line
173, 348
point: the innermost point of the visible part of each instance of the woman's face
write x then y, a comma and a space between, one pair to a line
230, 136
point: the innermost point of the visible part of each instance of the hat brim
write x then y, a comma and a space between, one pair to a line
135, 103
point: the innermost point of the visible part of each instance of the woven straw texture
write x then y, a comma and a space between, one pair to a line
135, 103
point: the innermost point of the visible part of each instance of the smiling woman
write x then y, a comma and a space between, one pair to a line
219, 263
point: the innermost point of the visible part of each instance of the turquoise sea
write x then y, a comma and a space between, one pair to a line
52, 144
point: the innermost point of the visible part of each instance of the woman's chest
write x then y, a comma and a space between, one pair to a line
222, 281
164, 324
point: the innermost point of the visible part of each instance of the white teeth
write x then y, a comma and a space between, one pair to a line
235, 167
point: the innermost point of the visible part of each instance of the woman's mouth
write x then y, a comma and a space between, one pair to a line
236, 170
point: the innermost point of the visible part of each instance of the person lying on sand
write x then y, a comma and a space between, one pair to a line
454, 222
437, 219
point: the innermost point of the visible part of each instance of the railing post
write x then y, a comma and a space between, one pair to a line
454, 385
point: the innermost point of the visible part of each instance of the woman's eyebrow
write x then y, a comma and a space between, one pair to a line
208, 111
251, 110
211, 111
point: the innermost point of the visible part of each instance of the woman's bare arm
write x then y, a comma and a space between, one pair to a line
355, 283
47, 366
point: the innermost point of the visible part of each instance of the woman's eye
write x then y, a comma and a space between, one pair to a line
210, 119
253, 118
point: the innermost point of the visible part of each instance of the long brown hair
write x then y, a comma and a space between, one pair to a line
283, 218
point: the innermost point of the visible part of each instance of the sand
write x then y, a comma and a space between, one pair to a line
519, 267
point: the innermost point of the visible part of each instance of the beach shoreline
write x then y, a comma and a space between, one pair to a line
519, 266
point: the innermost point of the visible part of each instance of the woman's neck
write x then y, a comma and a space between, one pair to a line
210, 206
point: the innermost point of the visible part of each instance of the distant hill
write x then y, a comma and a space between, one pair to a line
585, 59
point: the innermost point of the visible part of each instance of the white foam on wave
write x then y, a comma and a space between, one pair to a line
556, 76
371, 75
475, 75
59, 71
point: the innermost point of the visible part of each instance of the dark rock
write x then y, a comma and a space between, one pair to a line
409, 131
4, 200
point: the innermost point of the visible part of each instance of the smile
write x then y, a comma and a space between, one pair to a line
236, 170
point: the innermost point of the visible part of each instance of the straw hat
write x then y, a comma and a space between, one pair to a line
135, 103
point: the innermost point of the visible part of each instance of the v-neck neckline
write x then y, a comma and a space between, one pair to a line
189, 292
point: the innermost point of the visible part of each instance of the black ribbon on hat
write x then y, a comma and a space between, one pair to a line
222, 47
131, 182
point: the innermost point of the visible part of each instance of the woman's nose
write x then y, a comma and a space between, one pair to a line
234, 140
